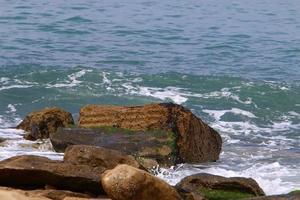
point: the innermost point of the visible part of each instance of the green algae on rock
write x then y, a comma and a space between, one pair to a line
157, 146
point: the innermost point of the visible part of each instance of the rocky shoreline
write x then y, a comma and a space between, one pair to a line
110, 152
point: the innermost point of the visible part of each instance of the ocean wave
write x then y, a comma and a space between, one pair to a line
14, 145
72, 80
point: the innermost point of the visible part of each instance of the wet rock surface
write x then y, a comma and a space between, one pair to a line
149, 148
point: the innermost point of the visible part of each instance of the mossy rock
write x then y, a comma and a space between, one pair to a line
214, 194
295, 192
157, 146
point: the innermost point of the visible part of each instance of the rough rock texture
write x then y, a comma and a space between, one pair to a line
35, 172
41, 123
42, 194
97, 156
196, 141
185, 195
149, 148
125, 182
208, 181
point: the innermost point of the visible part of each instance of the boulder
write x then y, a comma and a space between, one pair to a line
41, 123
125, 182
211, 185
97, 156
149, 148
195, 141
35, 172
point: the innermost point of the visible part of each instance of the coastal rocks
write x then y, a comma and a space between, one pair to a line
125, 182
195, 140
211, 185
35, 172
97, 156
43, 194
41, 123
149, 148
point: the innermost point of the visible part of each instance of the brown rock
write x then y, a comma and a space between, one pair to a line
157, 146
10, 194
35, 172
17, 194
125, 182
196, 182
195, 140
41, 123
97, 156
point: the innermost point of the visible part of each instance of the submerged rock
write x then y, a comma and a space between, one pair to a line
41, 123
35, 172
211, 185
149, 148
125, 182
195, 140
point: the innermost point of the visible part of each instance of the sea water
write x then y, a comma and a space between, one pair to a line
235, 64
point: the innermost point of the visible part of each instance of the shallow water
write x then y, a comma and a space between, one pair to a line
235, 64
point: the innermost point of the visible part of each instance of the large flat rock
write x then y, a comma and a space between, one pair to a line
33, 172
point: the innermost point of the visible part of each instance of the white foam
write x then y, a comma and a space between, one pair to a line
269, 175
171, 93
14, 145
72, 80
4, 80
180, 95
105, 79
217, 114
14, 86
11, 108
293, 113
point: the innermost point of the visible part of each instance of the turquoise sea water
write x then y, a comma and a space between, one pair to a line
235, 64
